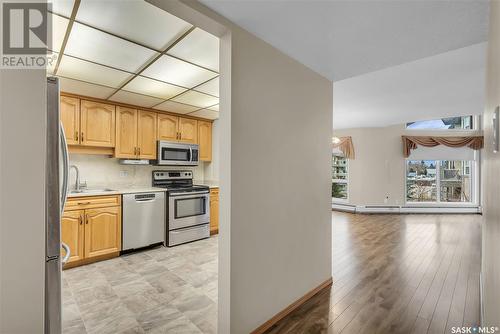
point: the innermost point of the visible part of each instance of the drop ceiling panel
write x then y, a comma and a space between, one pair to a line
138, 21
178, 72
211, 87
196, 99
199, 47
59, 27
84, 88
102, 48
136, 99
176, 107
63, 7
152, 87
83, 70
206, 113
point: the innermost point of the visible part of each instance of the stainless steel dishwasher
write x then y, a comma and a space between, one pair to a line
143, 219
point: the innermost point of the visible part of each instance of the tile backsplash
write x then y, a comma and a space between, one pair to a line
104, 171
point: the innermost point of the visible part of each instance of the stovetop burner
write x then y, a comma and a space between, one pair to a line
181, 181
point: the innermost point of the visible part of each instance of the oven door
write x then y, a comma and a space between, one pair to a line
188, 209
170, 153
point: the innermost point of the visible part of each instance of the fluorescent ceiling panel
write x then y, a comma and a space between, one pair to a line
206, 113
135, 99
198, 47
137, 21
152, 87
178, 72
59, 27
196, 99
216, 108
211, 87
102, 48
63, 7
176, 107
83, 70
84, 88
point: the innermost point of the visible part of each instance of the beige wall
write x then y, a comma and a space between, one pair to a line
22, 186
275, 135
377, 175
491, 172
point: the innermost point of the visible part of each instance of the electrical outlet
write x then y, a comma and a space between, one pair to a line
123, 173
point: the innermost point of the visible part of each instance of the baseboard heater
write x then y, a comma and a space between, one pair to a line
403, 209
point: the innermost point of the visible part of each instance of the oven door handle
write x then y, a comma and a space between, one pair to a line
189, 194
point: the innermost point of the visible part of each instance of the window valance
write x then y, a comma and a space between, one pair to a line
345, 146
411, 142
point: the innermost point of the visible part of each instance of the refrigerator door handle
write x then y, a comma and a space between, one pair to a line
65, 168
68, 253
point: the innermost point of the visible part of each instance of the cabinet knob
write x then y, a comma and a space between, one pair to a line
82, 137
76, 135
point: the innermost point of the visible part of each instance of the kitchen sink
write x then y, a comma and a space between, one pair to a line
85, 191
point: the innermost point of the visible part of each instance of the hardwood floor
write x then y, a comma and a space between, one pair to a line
397, 274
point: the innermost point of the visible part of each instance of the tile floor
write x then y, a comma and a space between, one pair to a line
161, 290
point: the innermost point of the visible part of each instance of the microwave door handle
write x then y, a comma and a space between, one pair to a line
190, 153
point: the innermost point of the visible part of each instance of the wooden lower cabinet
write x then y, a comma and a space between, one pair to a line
91, 227
72, 233
214, 211
102, 231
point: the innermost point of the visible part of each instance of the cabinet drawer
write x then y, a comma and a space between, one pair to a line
90, 202
214, 191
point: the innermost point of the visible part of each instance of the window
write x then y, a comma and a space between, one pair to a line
421, 181
453, 179
461, 122
339, 177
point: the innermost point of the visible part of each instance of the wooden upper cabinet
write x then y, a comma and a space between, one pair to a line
146, 134
97, 124
72, 233
168, 127
102, 231
70, 118
126, 132
188, 130
205, 140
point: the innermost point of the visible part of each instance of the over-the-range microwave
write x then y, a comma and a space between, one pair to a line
177, 154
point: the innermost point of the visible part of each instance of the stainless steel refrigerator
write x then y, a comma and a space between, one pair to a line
56, 185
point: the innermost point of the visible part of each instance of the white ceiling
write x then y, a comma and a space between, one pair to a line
135, 53
342, 39
449, 84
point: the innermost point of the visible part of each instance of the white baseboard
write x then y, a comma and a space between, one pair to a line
402, 209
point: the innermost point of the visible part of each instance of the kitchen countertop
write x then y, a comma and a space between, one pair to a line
211, 184
119, 190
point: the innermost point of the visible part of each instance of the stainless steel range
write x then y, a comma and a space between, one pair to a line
188, 207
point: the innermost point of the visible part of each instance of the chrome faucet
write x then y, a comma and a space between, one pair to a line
77, 181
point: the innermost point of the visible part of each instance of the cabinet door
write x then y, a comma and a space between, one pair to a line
168, 127
72, 233
102, 231
205, 140
214, 211
126, 133
188, 129
147, 134
97, 124
70, 118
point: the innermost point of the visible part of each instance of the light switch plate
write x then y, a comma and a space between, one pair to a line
123, 173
